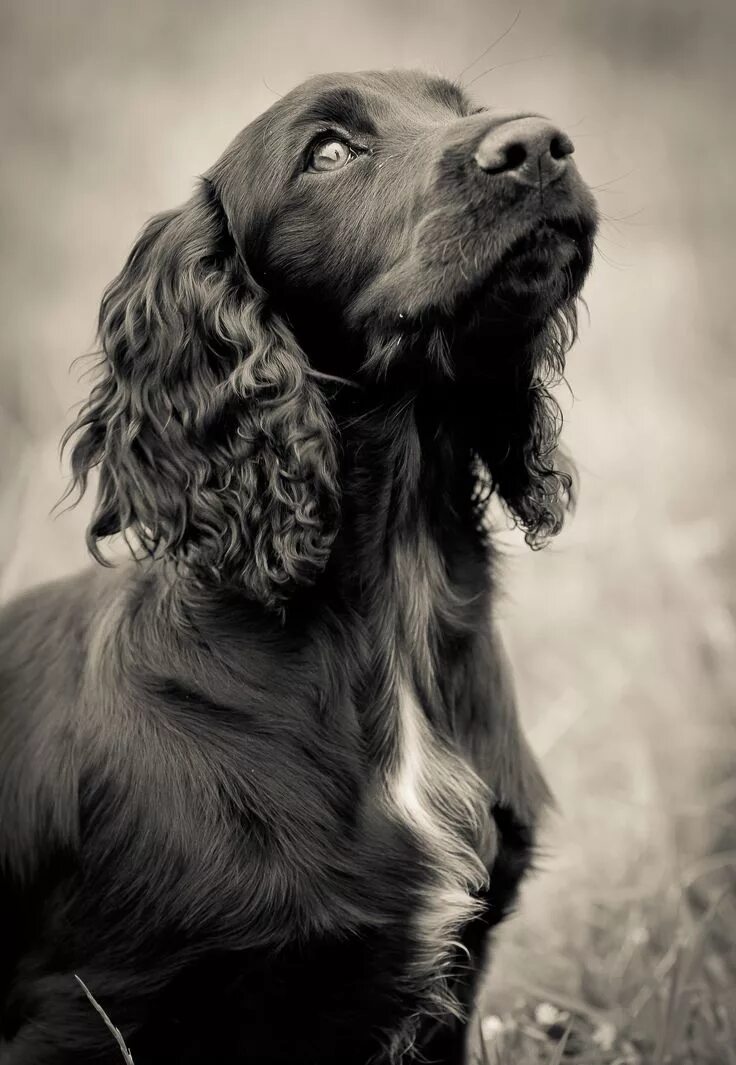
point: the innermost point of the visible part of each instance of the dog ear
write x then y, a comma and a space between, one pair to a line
517, 434
212, 439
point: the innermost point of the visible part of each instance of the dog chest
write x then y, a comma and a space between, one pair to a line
428, 785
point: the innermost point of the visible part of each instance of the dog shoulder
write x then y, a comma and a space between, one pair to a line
45, 637
45, 640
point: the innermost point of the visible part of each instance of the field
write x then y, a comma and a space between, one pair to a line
623, 633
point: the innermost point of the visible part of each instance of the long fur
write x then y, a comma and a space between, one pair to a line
204, 400
265, 789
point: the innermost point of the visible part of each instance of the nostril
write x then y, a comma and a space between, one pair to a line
515, 156
561, 146
497, 156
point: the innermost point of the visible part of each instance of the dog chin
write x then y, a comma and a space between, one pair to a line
535, 275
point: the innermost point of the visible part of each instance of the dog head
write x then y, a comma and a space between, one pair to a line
367, 226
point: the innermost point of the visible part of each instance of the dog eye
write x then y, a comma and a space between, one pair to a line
330, 155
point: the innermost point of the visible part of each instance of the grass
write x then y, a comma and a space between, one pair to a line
650, 1000
627, 671
115, 1032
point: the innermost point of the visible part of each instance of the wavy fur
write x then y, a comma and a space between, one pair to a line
523, 462
212, 441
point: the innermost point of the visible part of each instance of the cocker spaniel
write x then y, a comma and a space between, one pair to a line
264, 789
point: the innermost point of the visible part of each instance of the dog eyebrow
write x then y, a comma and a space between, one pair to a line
346, 107
448, 93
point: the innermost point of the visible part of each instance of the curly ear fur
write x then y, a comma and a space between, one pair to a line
213, 442
518, 449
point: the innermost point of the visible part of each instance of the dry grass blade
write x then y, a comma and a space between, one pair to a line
564, 1000
127, 1056
560, 1048
484, 1059
674, 1002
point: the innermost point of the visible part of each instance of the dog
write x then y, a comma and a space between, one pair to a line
263, 788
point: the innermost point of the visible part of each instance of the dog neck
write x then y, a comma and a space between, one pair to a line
406, 471
407, 528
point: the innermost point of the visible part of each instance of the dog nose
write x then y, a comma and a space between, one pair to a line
530, 150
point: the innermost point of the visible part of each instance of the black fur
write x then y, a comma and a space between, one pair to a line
301, 374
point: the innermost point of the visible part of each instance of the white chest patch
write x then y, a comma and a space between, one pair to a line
432, 788
413, 757
438, 795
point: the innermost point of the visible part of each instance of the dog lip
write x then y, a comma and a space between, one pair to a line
527, 266
546, 243
542, 237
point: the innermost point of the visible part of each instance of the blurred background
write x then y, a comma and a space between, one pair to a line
622, 633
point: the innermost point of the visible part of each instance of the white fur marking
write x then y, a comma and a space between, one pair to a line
439, 796
407, 784
432, 789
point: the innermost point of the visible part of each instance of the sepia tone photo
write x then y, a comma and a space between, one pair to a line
367, 616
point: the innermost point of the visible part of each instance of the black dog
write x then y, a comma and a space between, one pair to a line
265, 791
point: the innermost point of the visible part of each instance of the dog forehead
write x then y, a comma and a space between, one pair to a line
373, 97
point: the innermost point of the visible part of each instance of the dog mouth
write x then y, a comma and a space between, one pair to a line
541, 268
532, 259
